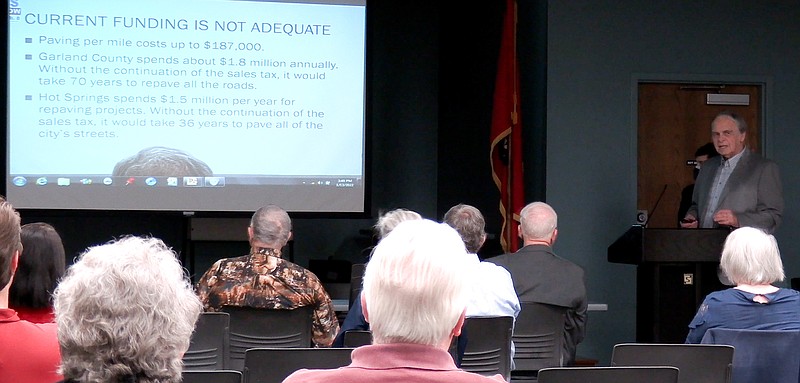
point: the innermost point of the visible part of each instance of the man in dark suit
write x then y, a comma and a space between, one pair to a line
738, 188
541, 276
701, 155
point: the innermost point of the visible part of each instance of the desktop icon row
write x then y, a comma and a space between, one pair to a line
124, 181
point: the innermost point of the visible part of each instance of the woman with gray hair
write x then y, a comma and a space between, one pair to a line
752, 261
389, 220
125, 313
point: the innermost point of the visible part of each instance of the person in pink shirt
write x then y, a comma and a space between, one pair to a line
29, 352
41, 265
415, 300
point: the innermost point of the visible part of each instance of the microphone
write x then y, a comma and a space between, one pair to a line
653, 210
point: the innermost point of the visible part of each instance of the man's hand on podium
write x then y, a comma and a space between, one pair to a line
689, 222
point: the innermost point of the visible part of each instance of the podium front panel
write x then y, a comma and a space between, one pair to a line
676, 269
640, 245
683, 245
667, 298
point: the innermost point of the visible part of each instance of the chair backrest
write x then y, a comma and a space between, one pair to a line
638, 374
252, 327
210, 343
273, 365
760, 355
357, 338
356, 277
488, 347
707, 363
539, 337
216, 376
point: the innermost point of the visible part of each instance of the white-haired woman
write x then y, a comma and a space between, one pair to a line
752, 261
125, 313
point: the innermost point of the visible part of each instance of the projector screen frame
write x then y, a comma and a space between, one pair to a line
363, 212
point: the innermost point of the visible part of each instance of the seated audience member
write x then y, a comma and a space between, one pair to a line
388, 221
28, 352
355, 316
752, 261
262, 279
415, 298
41, 265
541, 276
161, 161
125, 313
492, 290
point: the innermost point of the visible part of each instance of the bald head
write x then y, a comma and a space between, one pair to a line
538, 221
271, 226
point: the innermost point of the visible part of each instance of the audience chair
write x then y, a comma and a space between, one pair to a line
273, 365
251, 328
707, 363
356, 277
216, 376
761, 355
538, 338
488, 345
639, 374
210, 343
357, 338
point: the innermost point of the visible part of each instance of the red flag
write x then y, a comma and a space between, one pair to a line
506, 133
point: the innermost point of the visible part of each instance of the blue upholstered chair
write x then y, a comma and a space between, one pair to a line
760, 355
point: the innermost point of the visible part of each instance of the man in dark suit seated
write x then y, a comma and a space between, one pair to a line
541, 276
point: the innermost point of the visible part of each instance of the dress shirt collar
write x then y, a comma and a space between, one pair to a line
733, 161
266, 251
265, 257
399, 355
472, 258
8, 315
537, 246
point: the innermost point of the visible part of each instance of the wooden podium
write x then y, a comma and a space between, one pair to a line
676, 269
